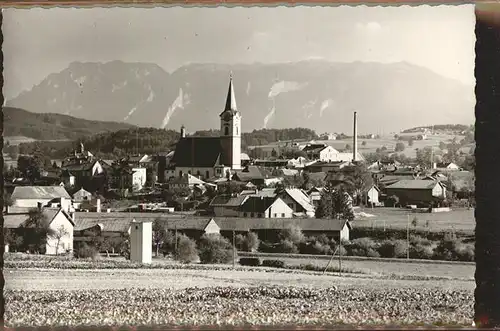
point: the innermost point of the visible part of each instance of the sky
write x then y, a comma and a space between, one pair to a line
38, 42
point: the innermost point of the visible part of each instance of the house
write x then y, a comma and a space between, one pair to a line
187, 181
32, 196
446, 166
326, 167
82, 195
68, 178
321, 152
138, 178
268, 229
298, 201
79, 156
227, 206
417, 191
89, 175
212, 156
59, 220
372, 196
264, 207
315, 195
250, 174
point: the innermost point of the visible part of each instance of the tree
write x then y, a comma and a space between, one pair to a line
159, 235
58, 235
335, 203
410, 142
442, 145
399, 147
363, 143
347, 147
37, 231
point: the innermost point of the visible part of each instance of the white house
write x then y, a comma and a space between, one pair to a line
298, 201
138, 178
59, 220
265, 207
82, 195
32, 196
321, 152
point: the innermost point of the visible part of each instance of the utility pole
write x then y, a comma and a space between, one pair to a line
408, 238
234, 251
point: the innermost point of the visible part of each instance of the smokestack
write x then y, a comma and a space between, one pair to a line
355, 138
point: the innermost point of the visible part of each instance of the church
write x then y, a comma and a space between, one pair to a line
208, 157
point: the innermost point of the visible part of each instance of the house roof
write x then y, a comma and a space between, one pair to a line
202, 152
314, 148
123, 225
250, 172
267, 192
306, 224
80, 167
414, 184
39, 192
289, 172
228, 201
13, 221
300, 197
255, 204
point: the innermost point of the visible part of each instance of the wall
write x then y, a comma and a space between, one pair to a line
141, 242
373, 196
225, 212
194, 170
212, 227
97, 169
279, 209
66, 242
138, 178
411, 195
439, 191
30, 203
328, 154
344, 234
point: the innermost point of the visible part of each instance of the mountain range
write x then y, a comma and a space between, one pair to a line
316, 94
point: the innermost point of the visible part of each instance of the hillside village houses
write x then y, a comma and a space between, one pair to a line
207, 167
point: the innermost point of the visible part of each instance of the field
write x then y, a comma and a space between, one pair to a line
390, 143
396, 218
225, 296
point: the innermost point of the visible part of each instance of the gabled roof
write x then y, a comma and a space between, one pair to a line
228, 201
200, 152
300, 197
256, 204
14, 221
39, 192
414, 184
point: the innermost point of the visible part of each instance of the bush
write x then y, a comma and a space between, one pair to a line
363, 247
287, 246
292, 233
186, 250
215, 249
393, 249
419, 251
240, 241
252, 242
85, 251
250, 261
274, 263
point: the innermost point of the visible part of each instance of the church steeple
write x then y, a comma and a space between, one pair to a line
230, 99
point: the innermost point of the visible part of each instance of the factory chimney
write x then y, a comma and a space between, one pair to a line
355, 138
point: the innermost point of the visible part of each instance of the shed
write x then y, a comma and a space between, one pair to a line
417, 191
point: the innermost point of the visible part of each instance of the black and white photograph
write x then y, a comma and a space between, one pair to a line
239, 166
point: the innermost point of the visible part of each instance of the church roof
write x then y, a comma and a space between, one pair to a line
199, 152
230, 99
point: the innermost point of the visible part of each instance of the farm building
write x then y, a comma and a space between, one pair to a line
31, 196
320, 152
446, 166
268, 229
417, 191
299, 201
60, 221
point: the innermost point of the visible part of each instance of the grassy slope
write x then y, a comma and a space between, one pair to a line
19, 123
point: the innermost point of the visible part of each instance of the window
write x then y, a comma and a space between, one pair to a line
180, 173
189, 172
198, 173
207, 174
244, 214
282, 214
251, 214
236, 130
275, 215
259, 215
226, 131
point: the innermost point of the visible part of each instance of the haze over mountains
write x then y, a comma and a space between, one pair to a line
316, 94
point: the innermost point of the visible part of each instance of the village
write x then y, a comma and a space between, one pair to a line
207, 185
